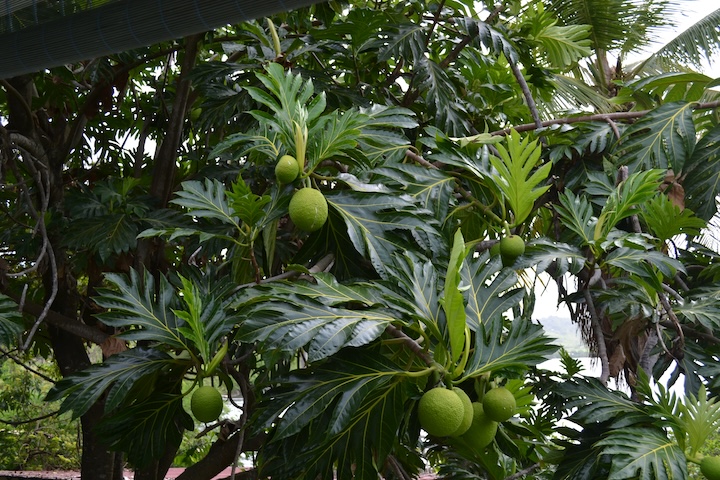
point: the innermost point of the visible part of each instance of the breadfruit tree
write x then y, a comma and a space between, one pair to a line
336, 218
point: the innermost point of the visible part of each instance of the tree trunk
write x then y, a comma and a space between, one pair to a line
151, 254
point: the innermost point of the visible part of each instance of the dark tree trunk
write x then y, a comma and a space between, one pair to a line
151, 253
49, 142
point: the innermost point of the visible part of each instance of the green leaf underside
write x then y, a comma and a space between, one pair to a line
118, 376
147, 314
334, 414
645, 454
307, 323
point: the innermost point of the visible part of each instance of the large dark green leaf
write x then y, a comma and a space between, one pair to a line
664, 138
343, 416
405, 40
543, 254
577, 215
491, 38
414, 289
669, 87
593, 403
701, 306
143, 309
206, 200
433, 188
492, 290
121, 374
644, 454
381, 138
702, 175
641, 262
372, 219
522, 346
109, 234
10, 321
288, 324
440, 96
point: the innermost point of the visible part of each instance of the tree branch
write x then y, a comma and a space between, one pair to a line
523, 472
600, 117
526, 93
411, 344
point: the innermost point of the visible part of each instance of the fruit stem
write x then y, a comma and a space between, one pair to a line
460, 368
424, 372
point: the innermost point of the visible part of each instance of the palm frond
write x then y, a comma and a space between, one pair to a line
697, 43
616, 24
572, 94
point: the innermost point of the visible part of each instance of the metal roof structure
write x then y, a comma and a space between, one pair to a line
38, 34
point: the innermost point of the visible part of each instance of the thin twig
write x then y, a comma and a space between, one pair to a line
27, 367
671, 314
526, 93
415, 347
673, 292
599, 117
523, 472
29, 420
322, 265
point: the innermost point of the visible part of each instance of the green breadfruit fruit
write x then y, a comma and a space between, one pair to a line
468, 412
511, 247
308, 209
482, 430
286, 169
710, 467
495, 249
440, 411
206, 404
499, 404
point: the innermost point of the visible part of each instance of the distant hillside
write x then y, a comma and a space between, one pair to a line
567, 334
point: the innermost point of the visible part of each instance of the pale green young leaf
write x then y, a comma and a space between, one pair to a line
665, 219
205, 319
246, 205
627, 199
564, 45
452, 300
700, 419
519, 175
